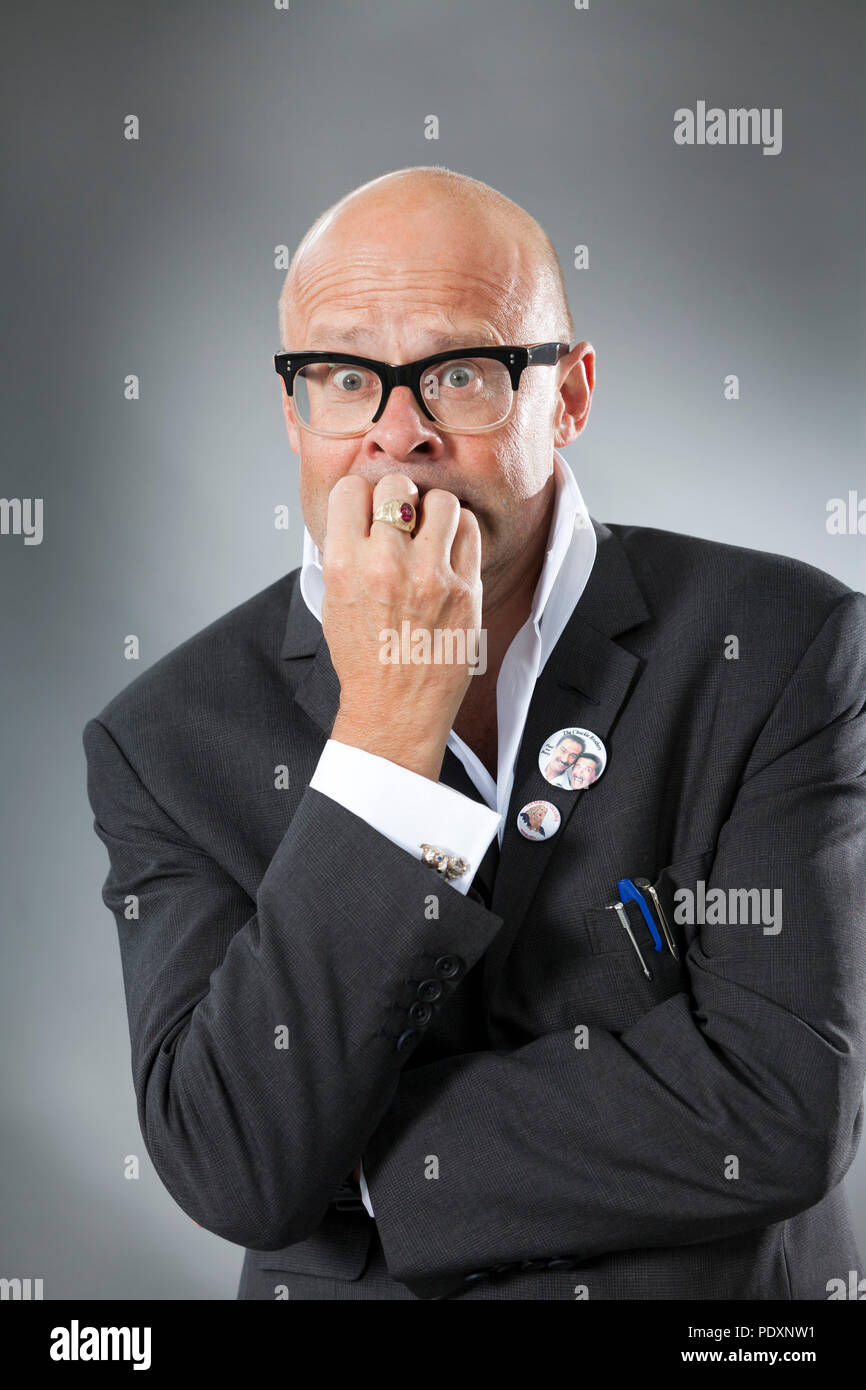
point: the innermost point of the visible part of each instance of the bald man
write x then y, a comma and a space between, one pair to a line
383, 1040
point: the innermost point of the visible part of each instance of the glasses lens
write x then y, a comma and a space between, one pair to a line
336, 397
467, 392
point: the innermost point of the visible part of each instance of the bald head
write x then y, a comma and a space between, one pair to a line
431, 236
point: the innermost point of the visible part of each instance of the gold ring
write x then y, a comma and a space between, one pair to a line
396, 512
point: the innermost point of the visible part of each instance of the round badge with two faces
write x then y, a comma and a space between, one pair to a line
572, 759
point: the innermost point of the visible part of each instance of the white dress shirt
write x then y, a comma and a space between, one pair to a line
410, 809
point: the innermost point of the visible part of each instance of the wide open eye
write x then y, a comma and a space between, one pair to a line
351, 379
471, 393
456, 376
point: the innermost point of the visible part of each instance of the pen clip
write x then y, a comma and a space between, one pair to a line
644, 885
624, 922
628, 893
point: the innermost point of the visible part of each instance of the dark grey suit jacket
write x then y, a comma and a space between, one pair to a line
692, 1142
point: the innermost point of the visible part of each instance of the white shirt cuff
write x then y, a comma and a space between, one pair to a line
407, 808
365, 1191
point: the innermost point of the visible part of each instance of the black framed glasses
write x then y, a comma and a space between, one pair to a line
463, 390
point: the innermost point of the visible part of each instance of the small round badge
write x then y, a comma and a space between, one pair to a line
538, 820
572, 759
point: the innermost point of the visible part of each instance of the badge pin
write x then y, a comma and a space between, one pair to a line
538, 820
573, 759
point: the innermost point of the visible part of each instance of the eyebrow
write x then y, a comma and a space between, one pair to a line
439, 342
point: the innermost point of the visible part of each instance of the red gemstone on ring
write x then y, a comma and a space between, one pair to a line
406, 512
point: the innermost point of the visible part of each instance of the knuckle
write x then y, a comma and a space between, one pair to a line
441, 499
462, 593
387, 575
429, 582
350, 485
394, 484
335, 565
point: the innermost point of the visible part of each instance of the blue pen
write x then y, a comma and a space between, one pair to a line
628, 893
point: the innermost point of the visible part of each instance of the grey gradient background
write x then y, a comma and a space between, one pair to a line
157, 257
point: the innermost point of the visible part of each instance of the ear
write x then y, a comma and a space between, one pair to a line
294, 438
576, 385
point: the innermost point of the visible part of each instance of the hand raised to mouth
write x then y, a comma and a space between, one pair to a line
376, 577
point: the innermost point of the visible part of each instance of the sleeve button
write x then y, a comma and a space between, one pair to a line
405, 1040
448, 967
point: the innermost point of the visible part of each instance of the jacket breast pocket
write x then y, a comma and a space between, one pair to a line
608, 936
607, 986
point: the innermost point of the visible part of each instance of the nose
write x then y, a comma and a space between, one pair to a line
402, 432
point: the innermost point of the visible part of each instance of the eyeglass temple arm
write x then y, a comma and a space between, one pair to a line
547, 354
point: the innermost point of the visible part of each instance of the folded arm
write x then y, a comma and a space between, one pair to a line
550, 1151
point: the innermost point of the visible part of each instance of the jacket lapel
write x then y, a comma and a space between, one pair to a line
318, 690
584, 683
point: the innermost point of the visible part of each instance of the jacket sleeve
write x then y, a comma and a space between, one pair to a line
548, 1151
264, 1033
